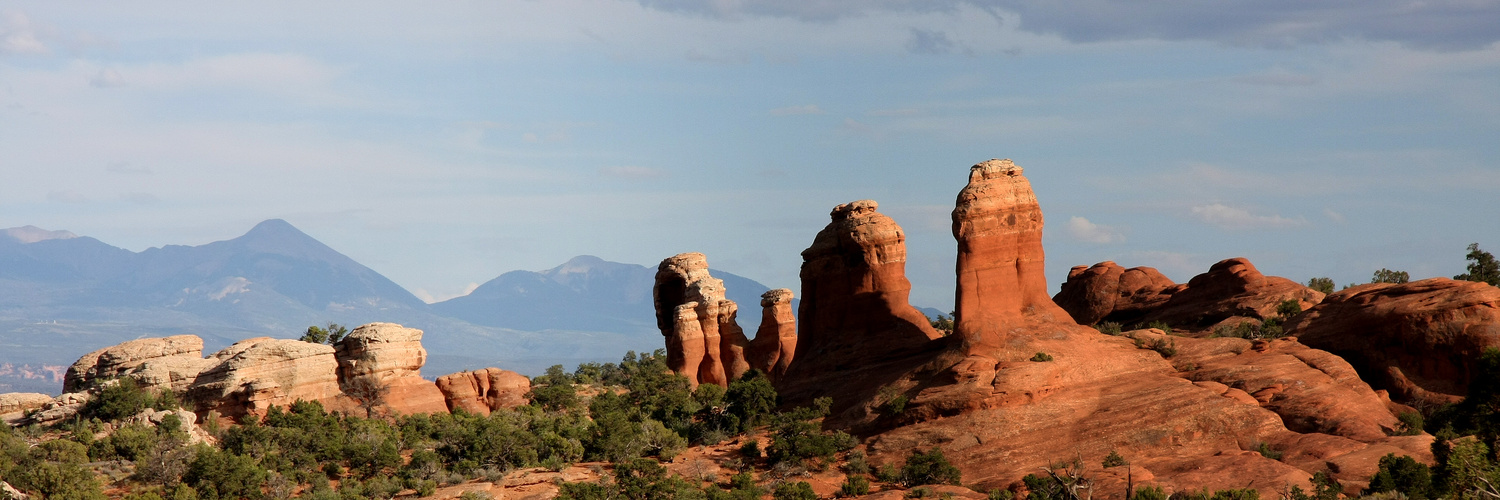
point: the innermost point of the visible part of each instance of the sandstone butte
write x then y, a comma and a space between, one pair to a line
1231, 291
704, 340
999, 412
254, 374
1420, 339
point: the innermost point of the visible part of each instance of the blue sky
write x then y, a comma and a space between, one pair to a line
445, 143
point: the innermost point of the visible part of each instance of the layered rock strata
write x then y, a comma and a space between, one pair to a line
157, 363
256, 374
775, 341
389, 356
854, 319
484, 391
1420, 340
1001, 266
704, 341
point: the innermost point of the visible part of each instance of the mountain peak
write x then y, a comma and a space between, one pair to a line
579, 264
33, 234
274, 227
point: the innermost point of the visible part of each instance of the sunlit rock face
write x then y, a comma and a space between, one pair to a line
704, 341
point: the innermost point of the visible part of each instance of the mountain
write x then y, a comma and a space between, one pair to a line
63, 295
585, 293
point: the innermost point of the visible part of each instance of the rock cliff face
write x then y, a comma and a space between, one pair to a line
854, 319
392, 356
258, 373
1001, 266
1418, 339
484, 391
1107, 291
775, 341
160, 363
1231, 290
704, 342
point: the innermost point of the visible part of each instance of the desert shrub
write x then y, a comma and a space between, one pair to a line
123, 398
1402, 474
944, 324
752, 398
1149, 493
854, 485
795, 436
1321, 284
1041, 357
929, 468
892, 400
1384, 275
126, 443
1482, 267
1288, 308
219, 474
1000, 494
1233, 494
1113, 460
856, 463
794, 491
554, 391
1265, 450
750, 450
1325, 487
1161, 325
1109, 328
1410, 423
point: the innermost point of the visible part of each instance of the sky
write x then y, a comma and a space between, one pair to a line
444, 143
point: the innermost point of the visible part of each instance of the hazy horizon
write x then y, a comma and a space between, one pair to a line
442, 145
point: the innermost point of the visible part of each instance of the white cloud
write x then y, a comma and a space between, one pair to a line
810, 109
18, 36
1083, 230
1228, 217
633, 172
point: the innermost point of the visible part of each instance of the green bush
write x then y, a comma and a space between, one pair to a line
1041, 357
854, 485
219, 474
1109, 328
1402, 474
1410, 424
1482, 267
794, 491
929, 468
1161, 325
1384, 275
795, 436
1265, 450
121, 399
1113, 460
1324, 285
1288, 308
1149, 493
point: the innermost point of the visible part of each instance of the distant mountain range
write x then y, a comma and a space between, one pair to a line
62, 295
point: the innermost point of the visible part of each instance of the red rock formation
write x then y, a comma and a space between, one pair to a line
157, 363
776, 340
854, 318
1230, 290
1106, 291
390, 356
704, 341
1419, 339
484, 391
1001, 272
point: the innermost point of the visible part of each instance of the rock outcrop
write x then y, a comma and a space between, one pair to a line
157, 363
484, 391
775, 341
1001, 266
704, 341
1108, 292
21, 401
1419, 339
854, 319
1232, 291
258, 373
388, 357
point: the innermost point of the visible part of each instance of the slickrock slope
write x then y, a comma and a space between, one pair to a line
775, 341
704, 343
265, 372
390, 355
165, 363
854, 323
484, 391
1107, 291
1418, 339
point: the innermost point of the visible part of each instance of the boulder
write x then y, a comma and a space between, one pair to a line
854, 319
1108, 292
58, 409
388, 356
12, 402
484, 391
775, 341
264, 372
704, 340
1001, 266
158, 363
1419, 340
1231, 290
